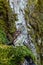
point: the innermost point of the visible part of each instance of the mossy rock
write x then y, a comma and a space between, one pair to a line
10, 55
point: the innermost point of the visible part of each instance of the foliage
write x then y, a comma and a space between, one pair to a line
3, 38
7, 19
33, 17
10, 55
7, 15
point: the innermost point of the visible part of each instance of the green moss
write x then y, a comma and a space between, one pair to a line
3, 38
10, 55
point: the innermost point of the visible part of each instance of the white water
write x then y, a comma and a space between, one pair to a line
20, 24
18, 6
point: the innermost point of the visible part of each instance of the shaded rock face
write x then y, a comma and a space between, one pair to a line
28, 61
25, 63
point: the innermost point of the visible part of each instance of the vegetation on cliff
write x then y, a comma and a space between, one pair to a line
34, 20
7, 21
10, 55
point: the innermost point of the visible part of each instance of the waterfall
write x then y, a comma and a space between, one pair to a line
18, 7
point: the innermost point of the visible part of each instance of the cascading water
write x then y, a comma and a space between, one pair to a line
20, 24
18, 7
